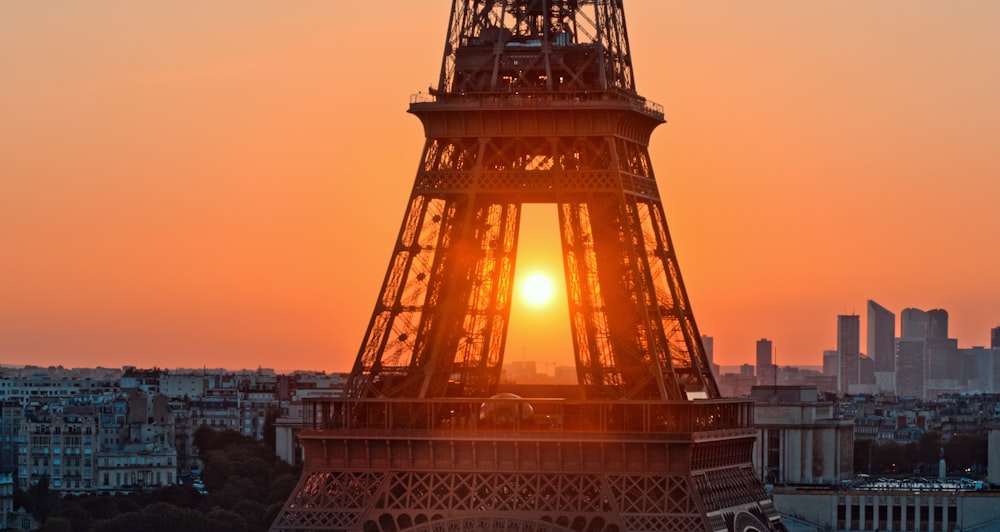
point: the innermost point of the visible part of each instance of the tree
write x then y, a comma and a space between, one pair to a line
40, 500
57, 524
270, 422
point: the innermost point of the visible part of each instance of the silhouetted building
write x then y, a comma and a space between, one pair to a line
913, 323
937, 323
765, 361
995, 338
943, 360
848, 351
881, 345
943, 363
866, 370
910, 368
830, 362
709, 343
977, 369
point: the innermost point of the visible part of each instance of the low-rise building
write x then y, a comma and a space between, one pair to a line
6, 499
137, 466
59, 443
801, 439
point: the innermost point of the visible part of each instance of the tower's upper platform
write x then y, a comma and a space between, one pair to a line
527, 46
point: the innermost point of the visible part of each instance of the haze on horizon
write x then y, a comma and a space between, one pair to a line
221, 183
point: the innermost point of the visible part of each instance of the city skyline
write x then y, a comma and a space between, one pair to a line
200, 187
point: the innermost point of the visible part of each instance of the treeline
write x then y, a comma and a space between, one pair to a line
965, 455
246, 484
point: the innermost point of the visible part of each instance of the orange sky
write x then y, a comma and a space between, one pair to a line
220, 183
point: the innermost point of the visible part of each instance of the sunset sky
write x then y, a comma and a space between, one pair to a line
220, 183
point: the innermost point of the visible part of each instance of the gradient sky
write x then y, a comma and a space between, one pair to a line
220, 183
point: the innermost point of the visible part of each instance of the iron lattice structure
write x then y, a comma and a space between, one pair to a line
536, 103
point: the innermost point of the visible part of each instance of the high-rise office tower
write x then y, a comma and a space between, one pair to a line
709, 344
913, 323
995, 338
881, 345
765, 361
926, 340
937, 323
881, 336
830, 362
848, 351
911, 372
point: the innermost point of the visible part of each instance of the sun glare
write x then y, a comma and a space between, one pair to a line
537, 289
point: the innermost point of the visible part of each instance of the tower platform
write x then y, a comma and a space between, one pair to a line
533, 464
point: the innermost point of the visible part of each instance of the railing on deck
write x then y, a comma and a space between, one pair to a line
527, 415
542, 99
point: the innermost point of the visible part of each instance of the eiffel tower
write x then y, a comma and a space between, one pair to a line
536, 103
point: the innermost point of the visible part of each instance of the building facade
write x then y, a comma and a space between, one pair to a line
59, 443
881, 329
800, 438
848, 352
765, 362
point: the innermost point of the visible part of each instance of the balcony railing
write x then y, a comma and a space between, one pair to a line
527, 415
557, 99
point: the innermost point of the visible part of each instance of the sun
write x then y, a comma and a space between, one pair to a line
537, 289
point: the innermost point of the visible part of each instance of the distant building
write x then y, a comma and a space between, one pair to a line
911, 373
866, 371
889, 504
848, 351
937, 323
881, 345
737, 384
977, 369
708, 343
995, 338
800, 439
913, 323
521, 370
60, 444
180, 385
830, 362
943, 363
137, 466
765, 362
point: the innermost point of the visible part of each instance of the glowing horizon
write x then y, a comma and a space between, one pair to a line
224, 182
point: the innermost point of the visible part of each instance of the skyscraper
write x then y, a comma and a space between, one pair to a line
848, 351
709, 343
932, 360
881, 344
913, 323
765, 361
995, 338
830, 362
937, 323
911, 371
881, 333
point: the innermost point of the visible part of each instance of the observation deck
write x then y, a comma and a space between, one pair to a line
555, 100
526, 415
